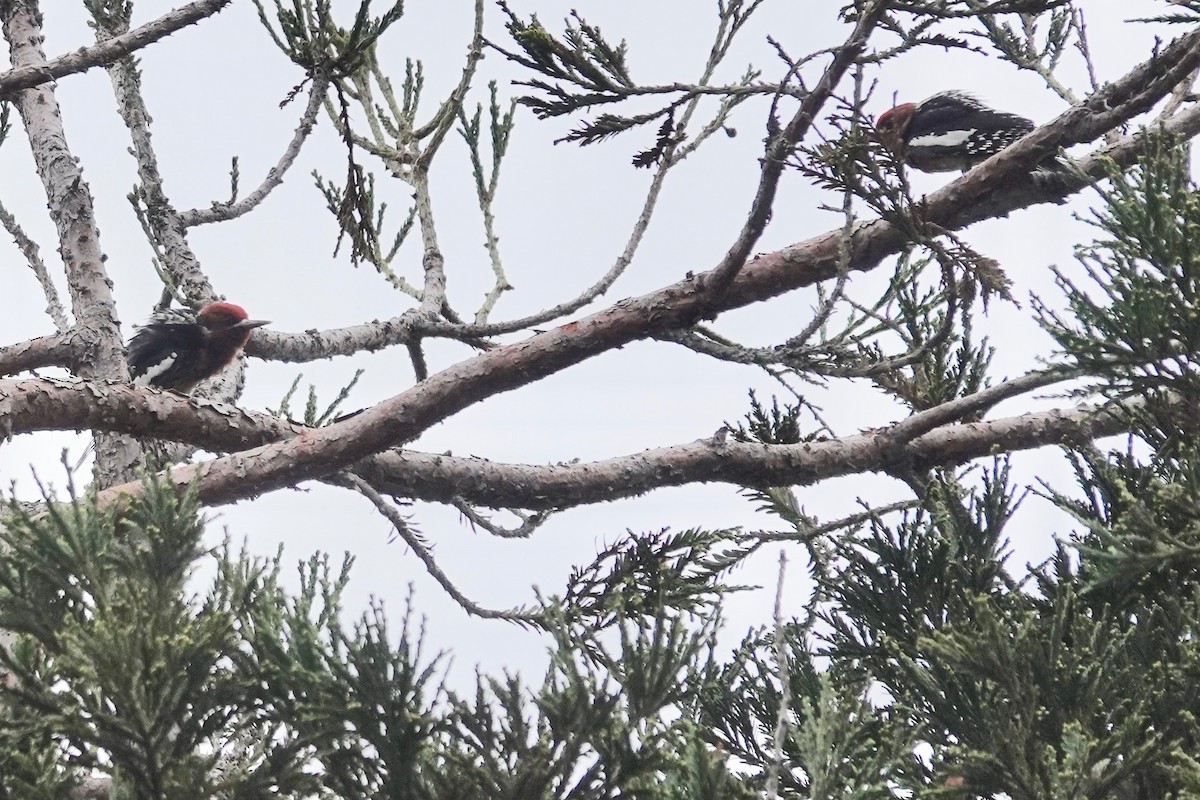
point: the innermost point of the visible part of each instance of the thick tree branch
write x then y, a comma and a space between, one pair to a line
44, 351
43, 404
33, 405
27, 76
443, 478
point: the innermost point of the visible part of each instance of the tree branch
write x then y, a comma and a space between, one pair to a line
312, 345
29, 249
164, 226
29, 75
439, 478
44, 351
38, 404
423, 552
220, 212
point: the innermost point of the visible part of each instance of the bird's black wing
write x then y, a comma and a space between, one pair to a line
153, 352
958, 111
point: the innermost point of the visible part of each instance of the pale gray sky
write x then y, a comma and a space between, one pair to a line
563, 216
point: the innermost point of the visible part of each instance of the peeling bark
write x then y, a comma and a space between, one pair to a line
70, 204
34, 405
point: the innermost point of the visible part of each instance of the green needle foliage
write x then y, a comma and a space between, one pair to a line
119, 669
1135, 326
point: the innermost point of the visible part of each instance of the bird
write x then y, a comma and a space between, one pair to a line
178, 348
949, 131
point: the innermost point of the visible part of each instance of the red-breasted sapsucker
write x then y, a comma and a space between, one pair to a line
949, 131
179, 348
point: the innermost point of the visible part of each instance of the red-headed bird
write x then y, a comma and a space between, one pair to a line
178, 348
949, 131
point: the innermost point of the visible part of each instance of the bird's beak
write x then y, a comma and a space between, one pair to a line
249, 324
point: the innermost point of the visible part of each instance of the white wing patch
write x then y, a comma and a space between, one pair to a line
147, 377
943, 139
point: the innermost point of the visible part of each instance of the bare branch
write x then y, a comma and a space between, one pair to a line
529, 522
45, 351
771, 787
166, 231
313, 344
433, 293
443, 121
423, 552
780, 148
624, 259
29, 75
924, 421
739, 464
29, 249
219, 212
807, 534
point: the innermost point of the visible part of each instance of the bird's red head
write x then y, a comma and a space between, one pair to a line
221, 315
891, 124
227, 316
